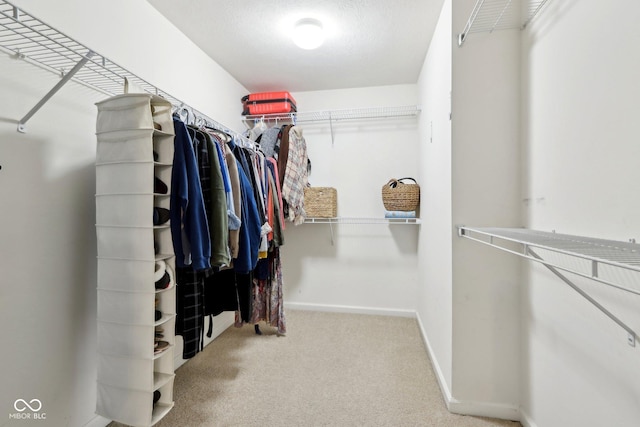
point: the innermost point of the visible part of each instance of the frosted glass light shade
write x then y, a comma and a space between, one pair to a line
308, 33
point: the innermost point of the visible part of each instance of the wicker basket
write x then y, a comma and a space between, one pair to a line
398, 196
321, 202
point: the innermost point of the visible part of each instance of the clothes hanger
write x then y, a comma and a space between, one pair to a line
258, 129
183, 114
224, 137
191, 117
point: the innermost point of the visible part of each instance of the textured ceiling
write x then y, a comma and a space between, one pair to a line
369, 42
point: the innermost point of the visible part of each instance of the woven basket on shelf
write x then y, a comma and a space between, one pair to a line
398, 196
321, 202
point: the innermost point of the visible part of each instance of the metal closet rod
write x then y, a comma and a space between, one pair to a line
25, 37
238, 139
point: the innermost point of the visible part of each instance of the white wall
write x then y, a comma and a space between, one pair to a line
580, 134
47, 183
368, 268
485, 191
469, 295
434, 306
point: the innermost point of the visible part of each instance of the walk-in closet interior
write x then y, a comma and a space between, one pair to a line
516, 118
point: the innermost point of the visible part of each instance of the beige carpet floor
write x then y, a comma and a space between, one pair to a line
331, 369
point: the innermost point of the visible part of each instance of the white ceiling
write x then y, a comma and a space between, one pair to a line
369, 42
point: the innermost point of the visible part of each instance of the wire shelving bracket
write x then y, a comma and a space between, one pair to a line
491, 15
593, 254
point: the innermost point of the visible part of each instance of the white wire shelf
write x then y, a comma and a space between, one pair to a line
342, 114
361, 221
588, 257
599, 251
25, 37
333, 116
492, 15
356, 221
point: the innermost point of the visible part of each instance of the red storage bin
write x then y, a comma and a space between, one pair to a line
268, 103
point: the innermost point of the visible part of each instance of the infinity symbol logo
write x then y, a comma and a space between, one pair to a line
26, 405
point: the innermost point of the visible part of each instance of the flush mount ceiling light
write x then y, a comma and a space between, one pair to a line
308, 33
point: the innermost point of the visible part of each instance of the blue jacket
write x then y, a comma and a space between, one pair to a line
249, 241
189, 228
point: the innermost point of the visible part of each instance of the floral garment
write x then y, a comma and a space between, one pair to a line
267, 296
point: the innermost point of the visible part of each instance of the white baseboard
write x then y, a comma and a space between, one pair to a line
220, 324
349, 309
98, 421
526, 420
481, 409
485, 409
444, 387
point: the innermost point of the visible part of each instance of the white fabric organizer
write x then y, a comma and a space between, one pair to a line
130, 247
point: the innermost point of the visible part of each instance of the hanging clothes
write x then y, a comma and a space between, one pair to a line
245, 198
249, 237
283, 152
277, 219
234, 233
233, 222
230, 290
189, 227
190, 236
266, 291
267, 301
269, 142
204, 173
220, 293
218, 218
295, 176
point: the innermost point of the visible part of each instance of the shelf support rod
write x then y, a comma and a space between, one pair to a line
331, 228
462, 36
631, 338
331, 127
533, 15
56, 88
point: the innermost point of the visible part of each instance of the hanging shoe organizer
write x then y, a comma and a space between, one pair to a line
136, 264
